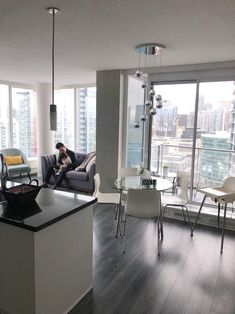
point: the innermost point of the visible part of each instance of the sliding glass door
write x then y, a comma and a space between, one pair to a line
172, 128
194, 131
215, 153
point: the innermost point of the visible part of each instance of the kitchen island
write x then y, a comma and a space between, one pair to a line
46, 253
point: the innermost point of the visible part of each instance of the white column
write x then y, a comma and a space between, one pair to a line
108, 102
45, 139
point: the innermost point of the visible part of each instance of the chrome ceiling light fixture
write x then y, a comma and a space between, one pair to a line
148, 58
53, 112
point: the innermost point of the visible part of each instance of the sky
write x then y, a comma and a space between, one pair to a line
183, 95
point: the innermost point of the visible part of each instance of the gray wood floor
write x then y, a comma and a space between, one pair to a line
190, 276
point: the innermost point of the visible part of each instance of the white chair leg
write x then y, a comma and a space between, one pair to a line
158, 236
124, 238
115, 211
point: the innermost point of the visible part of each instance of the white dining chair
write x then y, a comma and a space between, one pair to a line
126, 172
104, 197
144, 204
181, 200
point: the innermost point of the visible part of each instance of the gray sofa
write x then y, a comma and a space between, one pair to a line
81, 181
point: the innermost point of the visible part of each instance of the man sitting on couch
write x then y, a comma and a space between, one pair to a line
60, 165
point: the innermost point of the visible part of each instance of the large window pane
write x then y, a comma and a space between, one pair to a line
4, 116
86, 119
64, 99
135, 108
215, 129
24, 130
172, 128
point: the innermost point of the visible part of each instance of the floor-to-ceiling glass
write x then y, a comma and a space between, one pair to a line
85, 119
24, 128
135, 109
64, 99
174, 132
172, 129
215, 149
4, 116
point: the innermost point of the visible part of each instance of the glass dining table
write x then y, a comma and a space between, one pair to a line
123, 184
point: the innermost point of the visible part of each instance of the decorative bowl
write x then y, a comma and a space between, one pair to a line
21, 195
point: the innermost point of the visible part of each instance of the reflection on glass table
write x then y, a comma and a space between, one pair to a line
159, 184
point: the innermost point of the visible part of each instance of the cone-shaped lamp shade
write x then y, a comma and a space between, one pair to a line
53, 117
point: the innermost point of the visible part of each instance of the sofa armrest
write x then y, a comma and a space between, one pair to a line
92, 172
46, 161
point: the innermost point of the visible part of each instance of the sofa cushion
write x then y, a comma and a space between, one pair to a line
17, 169
80, 157
90, 163
74, 175
83, 165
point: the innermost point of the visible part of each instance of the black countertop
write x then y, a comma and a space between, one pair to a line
50, 207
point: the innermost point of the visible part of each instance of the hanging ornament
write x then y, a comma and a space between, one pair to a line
137, 124
138, 73
159, 104
151, 92
158, 98
143, 118
148, 103
153, 111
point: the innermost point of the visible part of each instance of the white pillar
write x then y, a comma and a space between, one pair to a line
108, 102
45, 138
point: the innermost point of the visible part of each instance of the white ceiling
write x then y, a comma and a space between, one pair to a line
101, 34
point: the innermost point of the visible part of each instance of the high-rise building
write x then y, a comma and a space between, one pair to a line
23, 123
214, 162
86, 119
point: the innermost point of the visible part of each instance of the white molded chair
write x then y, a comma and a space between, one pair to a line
127, 172
181, 200
229, 188
144, 204
109, 198
223, 195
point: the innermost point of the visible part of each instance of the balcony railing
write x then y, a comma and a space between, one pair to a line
211, 166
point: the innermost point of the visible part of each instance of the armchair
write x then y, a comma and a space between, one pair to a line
19, 163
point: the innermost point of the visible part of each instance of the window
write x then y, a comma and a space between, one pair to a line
211, 159
76, 118
86, 119
172, 128
135, 110
64, 99
215, 153
4, 116
23, 119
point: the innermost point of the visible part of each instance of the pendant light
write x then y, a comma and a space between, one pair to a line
149, 52
53, 112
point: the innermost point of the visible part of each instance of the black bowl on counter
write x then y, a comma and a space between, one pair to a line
21, 195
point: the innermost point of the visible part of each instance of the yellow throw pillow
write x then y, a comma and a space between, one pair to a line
13, 160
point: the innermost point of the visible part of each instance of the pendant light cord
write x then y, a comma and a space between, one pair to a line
53, 11
53, 56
